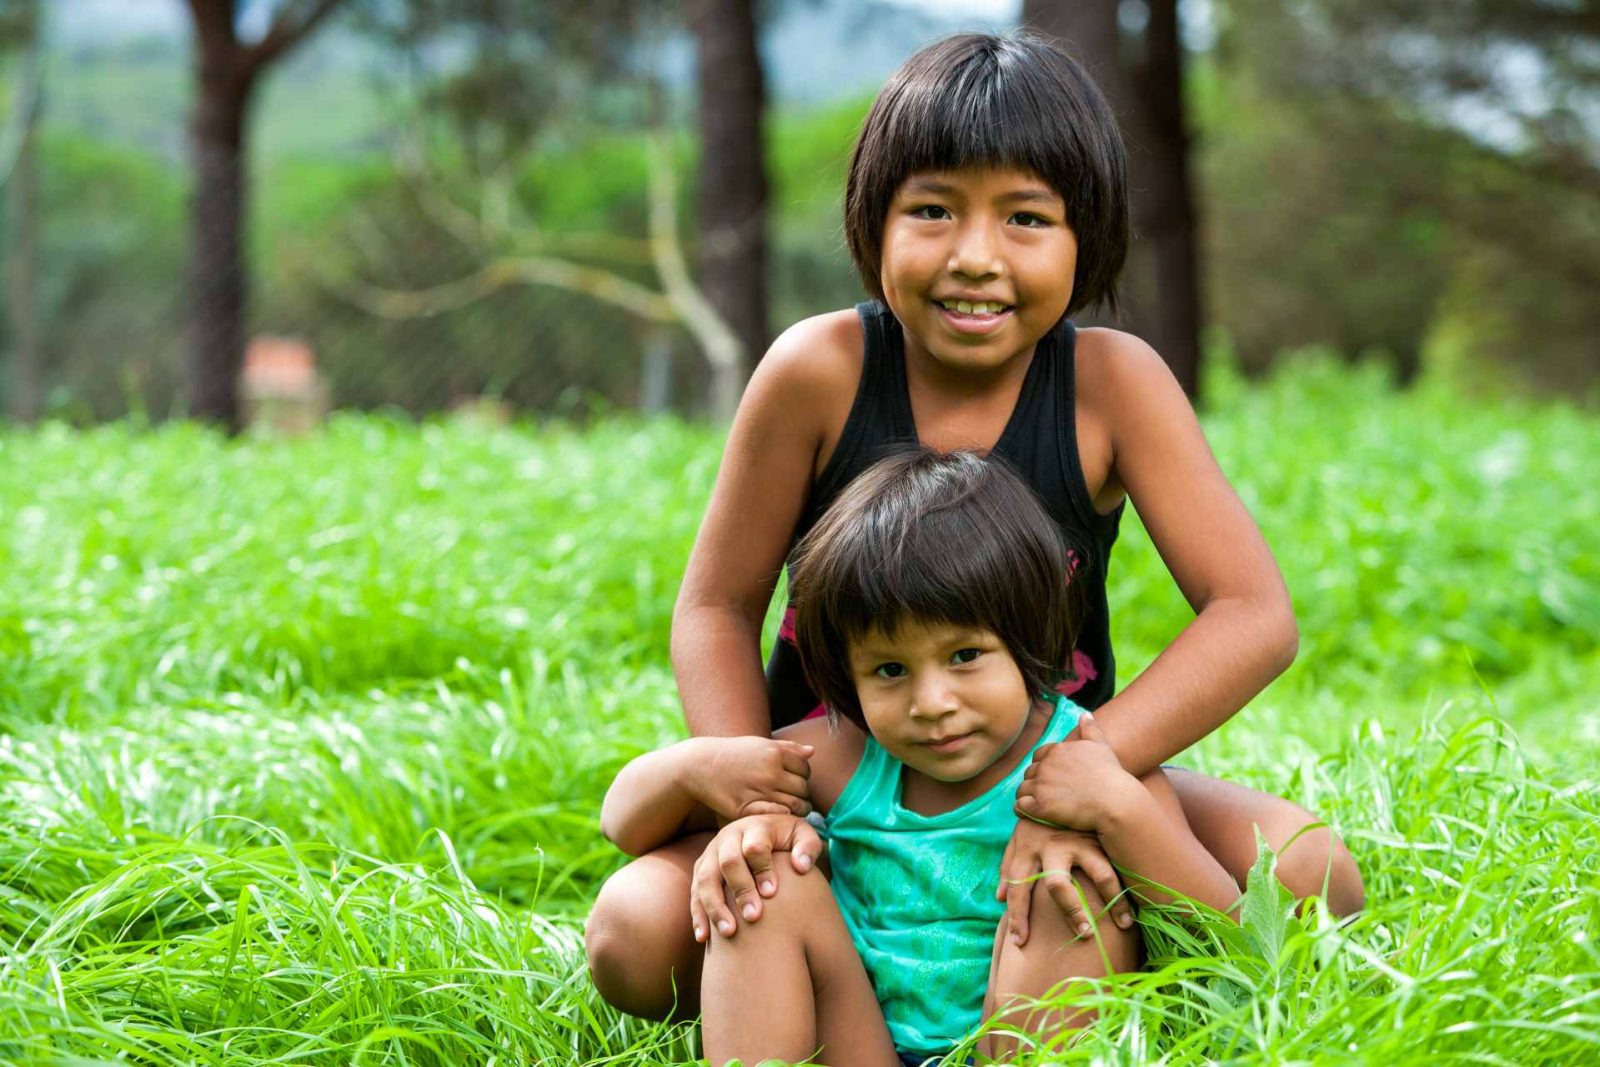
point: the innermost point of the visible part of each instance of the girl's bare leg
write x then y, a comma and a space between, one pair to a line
1054, 953
1223, 816
791, 985
639, 939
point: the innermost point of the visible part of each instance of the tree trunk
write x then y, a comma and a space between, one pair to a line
216, 268
1142, 75
1166, 211
226, 72
26, 393
732, 195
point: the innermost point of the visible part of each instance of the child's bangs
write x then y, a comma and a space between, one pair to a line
909, 574
977, 120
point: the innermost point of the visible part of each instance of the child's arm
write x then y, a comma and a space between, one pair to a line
766, 473
1139, 822
685, 787
1244, 633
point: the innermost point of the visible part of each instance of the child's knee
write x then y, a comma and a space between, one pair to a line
1317, 864
1058, 925
632, 938
796, 900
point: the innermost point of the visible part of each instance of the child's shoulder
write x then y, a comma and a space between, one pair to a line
819, 352
1109, 362
838, 747
1123, 384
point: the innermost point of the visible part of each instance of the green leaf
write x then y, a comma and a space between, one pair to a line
1267, 904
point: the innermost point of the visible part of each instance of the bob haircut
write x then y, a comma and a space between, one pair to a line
1014, 101
938, 538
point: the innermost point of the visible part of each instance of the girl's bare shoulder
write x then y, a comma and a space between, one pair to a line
810, 374
822, 352
1108, 363
838, 746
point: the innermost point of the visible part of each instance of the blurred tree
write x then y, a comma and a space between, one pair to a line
227, 71
1386, 175
732, 195
529, 77
20, 31
1132, 48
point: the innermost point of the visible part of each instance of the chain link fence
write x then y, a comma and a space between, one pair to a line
97, 319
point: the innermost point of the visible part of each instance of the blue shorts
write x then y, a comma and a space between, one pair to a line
917, 1059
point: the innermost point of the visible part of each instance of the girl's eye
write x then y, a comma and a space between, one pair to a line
1035, 222
967, 655
890, 670
917, 212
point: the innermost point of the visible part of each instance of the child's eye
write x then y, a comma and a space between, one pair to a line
967, 655
890, 670
1035, 221
917, 212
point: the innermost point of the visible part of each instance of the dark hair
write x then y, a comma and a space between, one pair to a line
977, 100
938, 537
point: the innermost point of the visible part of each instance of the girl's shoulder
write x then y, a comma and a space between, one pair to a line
1112, 367
838, 748
809, 376
819, 354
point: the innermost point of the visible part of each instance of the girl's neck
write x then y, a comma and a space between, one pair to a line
931, 797
962, 383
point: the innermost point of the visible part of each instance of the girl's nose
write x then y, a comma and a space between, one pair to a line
933, 697
975, 253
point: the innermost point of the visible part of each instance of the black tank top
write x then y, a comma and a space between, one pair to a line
1040, 442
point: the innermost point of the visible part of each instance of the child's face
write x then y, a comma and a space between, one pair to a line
995, 235
942, 683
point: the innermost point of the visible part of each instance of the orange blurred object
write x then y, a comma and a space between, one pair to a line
280, 391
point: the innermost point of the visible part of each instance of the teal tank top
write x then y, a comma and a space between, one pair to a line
917, 892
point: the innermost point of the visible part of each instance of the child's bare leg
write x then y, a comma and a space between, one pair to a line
791, 983
1054, 952
639, 939
1223, 816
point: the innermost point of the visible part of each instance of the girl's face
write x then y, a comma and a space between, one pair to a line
948, 701
992, 236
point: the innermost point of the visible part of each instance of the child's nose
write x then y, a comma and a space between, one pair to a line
976, 250
934, 696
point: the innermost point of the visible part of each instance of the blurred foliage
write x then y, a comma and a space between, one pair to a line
1412, 179
1347, 201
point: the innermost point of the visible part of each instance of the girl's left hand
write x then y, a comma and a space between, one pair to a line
1069, 783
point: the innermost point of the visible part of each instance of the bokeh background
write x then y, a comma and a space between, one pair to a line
447, 199
304, 732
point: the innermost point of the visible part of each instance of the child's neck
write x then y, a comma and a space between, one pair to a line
931, 797
957, 407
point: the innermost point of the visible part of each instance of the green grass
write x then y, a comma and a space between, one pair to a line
302, 744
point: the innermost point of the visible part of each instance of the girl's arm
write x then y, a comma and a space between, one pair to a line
651, 800
1144, 833
1081, 784
662, 795
766, 473
1244, 634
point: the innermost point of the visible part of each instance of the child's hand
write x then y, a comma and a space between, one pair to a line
1035, 848
1071, 783
740, 858
741, 776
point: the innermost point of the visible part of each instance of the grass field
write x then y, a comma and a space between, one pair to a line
302, 745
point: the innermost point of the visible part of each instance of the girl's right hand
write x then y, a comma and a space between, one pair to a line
740, 776
739, 859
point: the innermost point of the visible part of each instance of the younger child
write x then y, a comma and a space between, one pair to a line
932, 615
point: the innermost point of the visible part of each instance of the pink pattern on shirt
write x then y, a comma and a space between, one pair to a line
1083, 673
